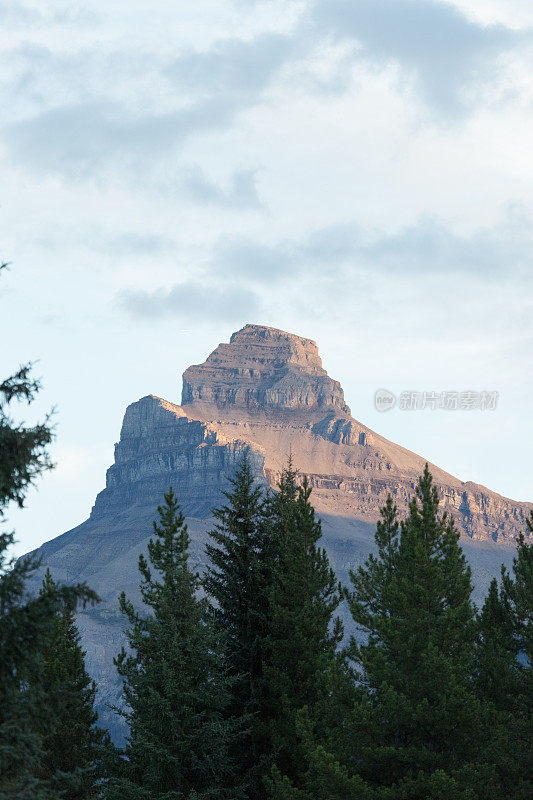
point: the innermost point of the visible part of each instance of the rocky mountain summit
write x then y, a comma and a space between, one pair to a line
265, 391
263, 368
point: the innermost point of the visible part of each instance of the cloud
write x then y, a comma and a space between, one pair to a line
81, 127
232, 66
426, 247
431, 40
78, 140
239, 257
241, 192
15, 13
134, 244
90, 136
430, 247
191, 300
18, 13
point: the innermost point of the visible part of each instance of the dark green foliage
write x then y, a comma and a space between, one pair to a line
72, 745
175, 688
417, 726
328, 769
323, 777
23, 454
517, 595
303, 636
26, 623
276, 595
331, 745
240, 574
503, 673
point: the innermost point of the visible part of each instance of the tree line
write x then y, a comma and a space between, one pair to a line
240, 683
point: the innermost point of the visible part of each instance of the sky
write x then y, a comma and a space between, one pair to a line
358, 172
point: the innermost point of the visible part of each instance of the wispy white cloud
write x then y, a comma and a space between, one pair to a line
84, 114
447, 56
95, 133
191, 301
232, 66
79, 141
426, 247
241, 193
27, 14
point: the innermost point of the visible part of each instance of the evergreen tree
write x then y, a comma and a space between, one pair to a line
418, 727
175, 690
72, 745
276, 595
503, 672
333, 749
303, 636
326, 746
239, 575
517, 595
25, 622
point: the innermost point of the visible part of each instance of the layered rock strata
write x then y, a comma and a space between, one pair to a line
263, 368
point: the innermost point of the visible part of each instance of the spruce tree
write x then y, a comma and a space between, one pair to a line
303, 634
327, 748
324, 774
418, 728
72, 745
333, 749
175, 688
238, 577
26, 622
503, 672
517, 595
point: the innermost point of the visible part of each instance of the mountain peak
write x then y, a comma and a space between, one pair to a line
264, 368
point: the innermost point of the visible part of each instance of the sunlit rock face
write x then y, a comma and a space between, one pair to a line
265, 392
263, 368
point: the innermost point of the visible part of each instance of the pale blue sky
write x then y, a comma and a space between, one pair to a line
356, 171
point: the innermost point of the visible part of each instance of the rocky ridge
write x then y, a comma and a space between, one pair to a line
267, 390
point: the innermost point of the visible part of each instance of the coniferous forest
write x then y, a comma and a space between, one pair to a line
240, 683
